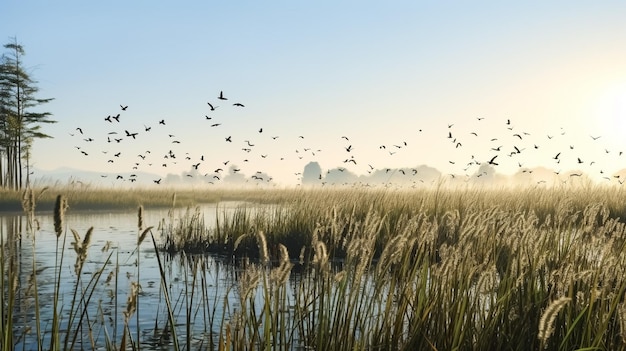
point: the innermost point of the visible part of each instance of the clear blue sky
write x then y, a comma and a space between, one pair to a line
376, 72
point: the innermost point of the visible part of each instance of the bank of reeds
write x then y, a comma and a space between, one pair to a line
468, 269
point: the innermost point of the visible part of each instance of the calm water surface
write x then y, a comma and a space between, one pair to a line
36, 252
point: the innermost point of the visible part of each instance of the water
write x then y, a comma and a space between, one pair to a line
104, 317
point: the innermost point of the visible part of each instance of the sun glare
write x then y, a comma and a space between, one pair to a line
610, 114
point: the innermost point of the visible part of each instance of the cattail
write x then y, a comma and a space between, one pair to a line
546, 322
140, 217
59, 214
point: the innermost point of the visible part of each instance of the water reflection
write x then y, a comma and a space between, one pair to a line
94, 305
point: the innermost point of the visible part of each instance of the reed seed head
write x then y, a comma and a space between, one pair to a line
140, 217
143, 235
59, 214
262, 243
546, 323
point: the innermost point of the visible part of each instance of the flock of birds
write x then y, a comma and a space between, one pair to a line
512, 146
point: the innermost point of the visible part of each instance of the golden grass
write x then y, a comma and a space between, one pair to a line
466, 269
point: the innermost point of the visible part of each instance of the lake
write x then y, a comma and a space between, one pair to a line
199, 303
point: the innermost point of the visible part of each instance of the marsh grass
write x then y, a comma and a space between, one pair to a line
473, 269
470, 269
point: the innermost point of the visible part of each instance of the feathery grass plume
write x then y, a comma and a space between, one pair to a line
301, 256
59, 214
140, 217
280, 274
621, 314
131, 300
320, 258
28, 200
239, 240
107, 246
143, 235
81, 248
546, 322
262, 243
248, 281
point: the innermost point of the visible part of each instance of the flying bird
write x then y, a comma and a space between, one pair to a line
238, 104
221, 97
491, 162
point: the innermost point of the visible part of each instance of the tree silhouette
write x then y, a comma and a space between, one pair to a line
20, 125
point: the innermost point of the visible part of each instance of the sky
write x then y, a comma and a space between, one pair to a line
358, 85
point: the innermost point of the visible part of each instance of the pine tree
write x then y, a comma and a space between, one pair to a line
20, 125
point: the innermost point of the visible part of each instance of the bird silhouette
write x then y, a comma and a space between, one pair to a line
221, 97
238, 104
491, 162
124, 107
158, 181
211, 106
162, 122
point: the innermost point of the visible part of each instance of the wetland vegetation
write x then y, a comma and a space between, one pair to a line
342, 269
